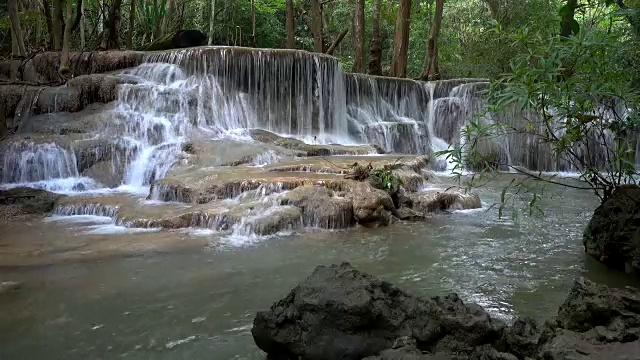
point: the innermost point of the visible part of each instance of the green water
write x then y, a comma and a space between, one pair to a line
199, 302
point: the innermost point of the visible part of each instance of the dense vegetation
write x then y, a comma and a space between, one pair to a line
474, 37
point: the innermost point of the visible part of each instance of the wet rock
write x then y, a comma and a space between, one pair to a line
58, 99
98, 88
9, 286
408, 214
370, 205
341, 313
43, 68
172, 190
521, 338
411, 180
29, 200
431, 201
309, 149
403, 353
613, 234
270, 220
106, 173
320, 208
90, 152
88, 120
589, 306
594, 322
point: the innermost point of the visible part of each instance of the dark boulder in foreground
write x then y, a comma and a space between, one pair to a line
613, 234
341, 313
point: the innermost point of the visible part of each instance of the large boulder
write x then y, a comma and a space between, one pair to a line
613, 234
341, 313
320, 207
370, 205
594, 322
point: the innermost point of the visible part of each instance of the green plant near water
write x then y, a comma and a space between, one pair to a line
570, 95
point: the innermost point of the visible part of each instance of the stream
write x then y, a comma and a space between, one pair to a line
198, 298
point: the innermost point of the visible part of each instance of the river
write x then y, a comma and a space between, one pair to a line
197, 297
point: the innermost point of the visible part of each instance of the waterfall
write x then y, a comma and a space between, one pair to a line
26, 162
224, 91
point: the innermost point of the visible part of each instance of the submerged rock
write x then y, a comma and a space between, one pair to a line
9, 286
29, 200
341, 313
613, 234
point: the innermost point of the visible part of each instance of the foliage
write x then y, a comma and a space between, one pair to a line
572, 96
384, 178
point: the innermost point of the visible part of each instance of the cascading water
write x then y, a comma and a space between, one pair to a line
217, 93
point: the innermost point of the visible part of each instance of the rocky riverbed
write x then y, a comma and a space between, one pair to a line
339, 312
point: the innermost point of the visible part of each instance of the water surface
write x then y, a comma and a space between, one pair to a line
198, 299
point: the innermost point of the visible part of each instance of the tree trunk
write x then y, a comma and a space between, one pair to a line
66, 43
157, 32
568, 13
110, 38
430, 69
57, 24
336, 42
291, 38
253, 22
165, 18
82, 34
212, 21
16, 30
375, 62
358, 37
316, 26
3, 121
46, 9
132, 20
401, 40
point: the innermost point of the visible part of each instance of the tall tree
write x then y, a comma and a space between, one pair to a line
132, 20
358, 37
82, 32
212, 21
57, 23
430, 70
291, 38
16, 30
66, 43
46, 10
316, 26
110, 38
401, 40
253, 22
375, 56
